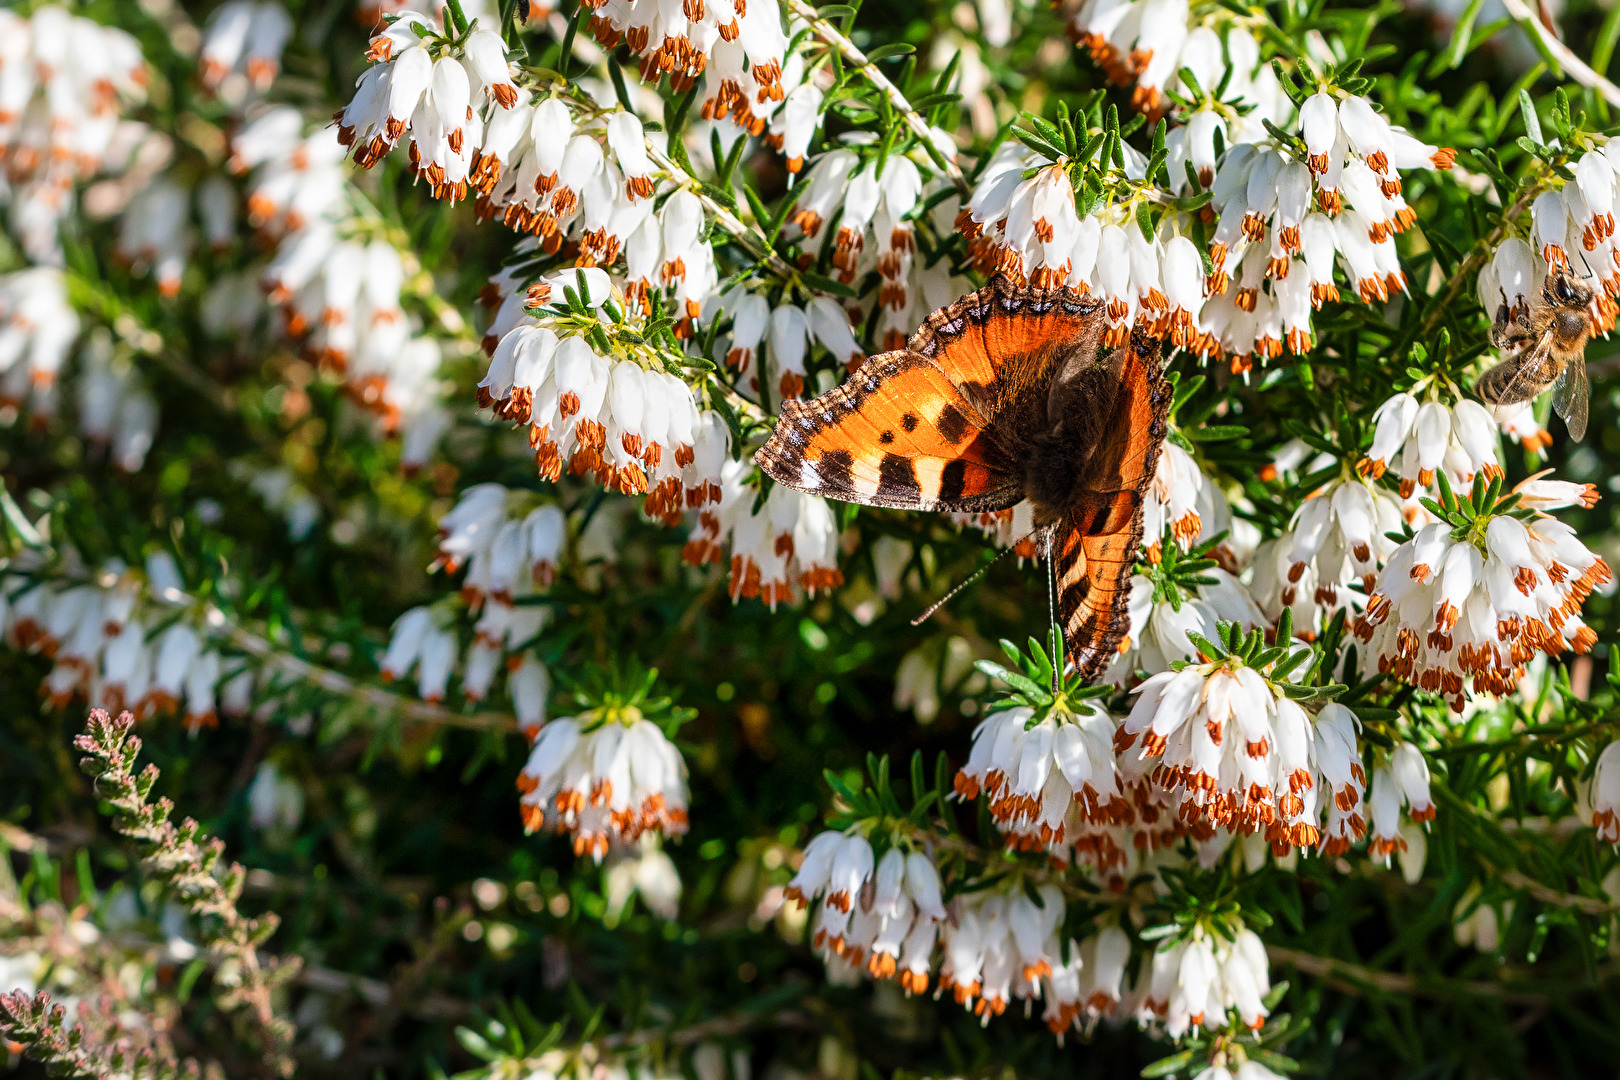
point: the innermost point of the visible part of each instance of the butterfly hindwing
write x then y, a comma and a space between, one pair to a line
1096, 548
1098, 538
897, 433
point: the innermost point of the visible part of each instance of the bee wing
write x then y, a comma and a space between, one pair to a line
1522, 379
1570, 398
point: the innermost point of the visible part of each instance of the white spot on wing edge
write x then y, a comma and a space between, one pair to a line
809, 478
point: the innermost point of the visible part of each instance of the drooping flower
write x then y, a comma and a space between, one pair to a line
65, 81
1428, 436
157, 233
245, 37
433, 99
1572, 230
275, 800
790, 543
1519, 423
1183, 501
1281, 251
1000, 946
741, 46
645, 871
1146, 43
1090, 986
604, 780
37, 329
96, 632
1605, 794
420, 641
1031, 772
1400, 782
1201, 977
1478, 923
878, 916
631, 427
1337, 540
1163, 612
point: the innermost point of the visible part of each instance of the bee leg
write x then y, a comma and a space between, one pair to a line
1510, 340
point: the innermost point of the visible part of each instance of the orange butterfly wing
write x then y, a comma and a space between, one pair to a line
999, 345
926, 427
1098, 538
898, 433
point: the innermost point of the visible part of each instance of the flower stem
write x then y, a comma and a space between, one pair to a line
857, 59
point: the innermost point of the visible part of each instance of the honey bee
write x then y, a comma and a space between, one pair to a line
1544, 343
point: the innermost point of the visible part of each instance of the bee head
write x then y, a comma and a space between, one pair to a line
1566, 291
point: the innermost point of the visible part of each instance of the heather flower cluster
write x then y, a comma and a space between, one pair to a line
882, 916
1472, 598
623, 419
1572, 229
1283, 222
1145, 44
245, 39
38, 328
1196, 981
780, 550
65, 82
337, 281
1418, 438
1339, 537
605, 778
878, 203
509, 548
113, 641
1232, 749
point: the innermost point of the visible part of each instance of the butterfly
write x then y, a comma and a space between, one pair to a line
1002, 396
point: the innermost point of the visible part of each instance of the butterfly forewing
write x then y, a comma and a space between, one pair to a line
998, 345
941, 424
897, 433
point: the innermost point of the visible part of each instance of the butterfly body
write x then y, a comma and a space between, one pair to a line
998, 398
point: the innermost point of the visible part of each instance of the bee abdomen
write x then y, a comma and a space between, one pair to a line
1499, 387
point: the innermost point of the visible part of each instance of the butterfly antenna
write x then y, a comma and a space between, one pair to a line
1051, 608
975, 576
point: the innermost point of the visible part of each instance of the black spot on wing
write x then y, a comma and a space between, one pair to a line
909, 421
886, 438
952, 425
836, 469
952, 479
1076, 592
897, 478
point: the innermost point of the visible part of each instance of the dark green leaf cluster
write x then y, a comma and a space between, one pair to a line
1042, 679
